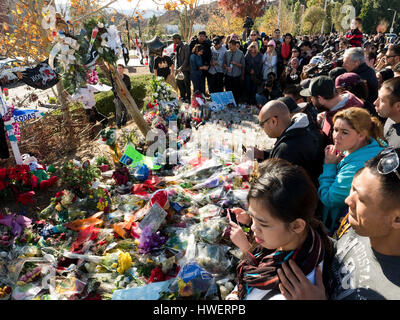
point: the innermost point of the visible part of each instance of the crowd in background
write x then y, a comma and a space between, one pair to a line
324, 212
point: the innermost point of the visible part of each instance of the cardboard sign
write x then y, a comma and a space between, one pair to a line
132, 158
223, 98
21, 115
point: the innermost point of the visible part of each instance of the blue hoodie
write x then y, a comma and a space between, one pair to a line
335, 181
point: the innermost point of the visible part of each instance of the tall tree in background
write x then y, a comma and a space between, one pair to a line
223, 22
187, 14
297, 18
243, 8
313, 19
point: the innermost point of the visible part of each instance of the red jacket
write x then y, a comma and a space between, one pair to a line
355, 37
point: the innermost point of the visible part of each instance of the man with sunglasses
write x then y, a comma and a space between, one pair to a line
367, 260
297, 140
393, 55
388, 106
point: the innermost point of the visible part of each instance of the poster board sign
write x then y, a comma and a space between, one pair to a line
223, 98
22, 115
132, 158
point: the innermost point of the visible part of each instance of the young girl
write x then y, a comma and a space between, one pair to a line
282, 202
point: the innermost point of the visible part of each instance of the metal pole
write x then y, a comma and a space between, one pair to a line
323, 21
394, 17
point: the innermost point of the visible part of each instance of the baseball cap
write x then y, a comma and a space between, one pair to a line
347, 79
336, 72
320, 86
216, 40
290, 103
177, 36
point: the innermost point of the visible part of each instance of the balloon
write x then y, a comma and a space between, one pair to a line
155, 46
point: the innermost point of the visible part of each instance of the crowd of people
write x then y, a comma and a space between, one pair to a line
324, 211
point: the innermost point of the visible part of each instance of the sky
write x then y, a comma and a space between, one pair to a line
125, 5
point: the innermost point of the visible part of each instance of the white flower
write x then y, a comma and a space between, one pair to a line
100, 25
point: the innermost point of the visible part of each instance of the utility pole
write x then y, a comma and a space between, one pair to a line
127, 31
394, 17
323, 21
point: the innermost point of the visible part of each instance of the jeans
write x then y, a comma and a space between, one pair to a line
198, 82
120, 113
216, 82
233, 84
261, 99
184, 86
251, 90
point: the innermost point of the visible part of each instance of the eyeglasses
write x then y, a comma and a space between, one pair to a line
395, 55
265, 121
389, 162
253, 35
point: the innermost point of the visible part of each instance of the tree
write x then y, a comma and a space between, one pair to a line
313, 18
187, 14
221, 22
243, 8
269, 21
296, 17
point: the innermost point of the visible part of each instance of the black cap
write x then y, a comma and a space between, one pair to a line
291, 104
216, 40
177, 36
336, 72
320, 86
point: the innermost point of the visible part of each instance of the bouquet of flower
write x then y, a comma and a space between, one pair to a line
161, 90
79, 178
92, 76
18, 181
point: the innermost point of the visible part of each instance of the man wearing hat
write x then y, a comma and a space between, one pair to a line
327, 100
182, 67
216, 70
206, 56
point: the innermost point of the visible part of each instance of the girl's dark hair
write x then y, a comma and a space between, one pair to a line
197, 48
288, 192
359, 89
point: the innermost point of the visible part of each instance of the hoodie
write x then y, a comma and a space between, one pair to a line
335, 182
301, 144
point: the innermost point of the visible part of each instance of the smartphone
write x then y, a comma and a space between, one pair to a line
232, 216
244, 149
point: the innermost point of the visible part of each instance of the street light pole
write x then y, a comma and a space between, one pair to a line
394, 17
323, 21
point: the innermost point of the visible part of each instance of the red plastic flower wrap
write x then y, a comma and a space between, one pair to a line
121, 176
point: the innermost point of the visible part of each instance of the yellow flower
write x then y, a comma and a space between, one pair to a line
124, 262
58, 207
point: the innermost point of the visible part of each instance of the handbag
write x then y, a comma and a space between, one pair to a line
179, 76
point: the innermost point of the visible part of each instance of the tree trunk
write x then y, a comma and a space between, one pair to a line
67, 122
126, 98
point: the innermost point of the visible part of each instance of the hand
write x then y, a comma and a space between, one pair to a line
295, 285
320, 117
251, 71
229, 69
332, 155
242, 216
239, 238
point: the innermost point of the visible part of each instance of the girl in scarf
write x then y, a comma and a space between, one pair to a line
282, 202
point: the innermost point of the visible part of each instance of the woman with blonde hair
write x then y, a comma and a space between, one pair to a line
357, 138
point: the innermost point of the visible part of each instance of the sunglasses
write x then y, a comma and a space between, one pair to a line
265, 121
395, 55
389, 162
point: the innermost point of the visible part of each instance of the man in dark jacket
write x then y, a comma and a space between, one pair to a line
354, 61
182, 64
297, 141
207, 55
120, 110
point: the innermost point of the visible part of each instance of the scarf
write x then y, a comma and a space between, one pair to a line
285, 51
259, 268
